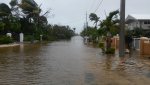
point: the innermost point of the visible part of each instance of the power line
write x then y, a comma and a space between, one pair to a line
92, 5
98, 6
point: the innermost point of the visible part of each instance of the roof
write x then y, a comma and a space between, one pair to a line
133, 17
139, 16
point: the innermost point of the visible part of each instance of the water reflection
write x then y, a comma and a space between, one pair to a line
68, 63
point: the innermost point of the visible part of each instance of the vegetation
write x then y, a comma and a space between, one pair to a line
5, 40
91, 32
101, 45
138, 32
110, 51
26, 17
107, 27
95, 18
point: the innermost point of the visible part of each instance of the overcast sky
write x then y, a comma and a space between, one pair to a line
72, 12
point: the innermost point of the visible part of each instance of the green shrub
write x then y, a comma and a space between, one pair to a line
101, 45
5, 40
49, 38
110, 51
28, 37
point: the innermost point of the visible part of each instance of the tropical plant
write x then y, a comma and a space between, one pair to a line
109, 26
95, 18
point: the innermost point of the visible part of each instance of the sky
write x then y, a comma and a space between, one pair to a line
73, 12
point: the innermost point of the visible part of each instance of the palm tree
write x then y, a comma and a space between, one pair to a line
95, 18
109, 25
33, 13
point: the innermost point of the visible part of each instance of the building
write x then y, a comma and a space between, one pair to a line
137, 20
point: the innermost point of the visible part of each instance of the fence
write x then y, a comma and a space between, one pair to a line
115, 42
142, 44
145, 46
135, 43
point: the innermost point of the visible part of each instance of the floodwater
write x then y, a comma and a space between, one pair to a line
70, 63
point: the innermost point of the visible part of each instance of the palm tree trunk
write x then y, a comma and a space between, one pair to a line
108, 40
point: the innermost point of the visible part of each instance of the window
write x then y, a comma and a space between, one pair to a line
147, 22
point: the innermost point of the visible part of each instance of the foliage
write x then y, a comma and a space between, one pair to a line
137, 32
4, 10
29, 6
28, 37
13, 3
5, 40
146, 34
110, 23
110, 27
110, 51
26, 17
91, 32
2, 25
61, 32
101, 44
95, 18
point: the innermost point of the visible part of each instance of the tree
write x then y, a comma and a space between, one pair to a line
95, 18
91, 32
109, 26
29, 7
5, 15
34, 17
74, 29
13, 3
4, 10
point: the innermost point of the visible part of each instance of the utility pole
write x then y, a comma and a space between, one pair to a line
86, 23
122, 29
86, 20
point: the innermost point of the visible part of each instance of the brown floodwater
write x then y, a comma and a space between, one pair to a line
70, 63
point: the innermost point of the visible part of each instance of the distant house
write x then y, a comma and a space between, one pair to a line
140, 21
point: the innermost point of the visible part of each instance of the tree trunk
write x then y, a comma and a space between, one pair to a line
108, 40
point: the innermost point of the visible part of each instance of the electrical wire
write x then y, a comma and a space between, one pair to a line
99, 5
92, 5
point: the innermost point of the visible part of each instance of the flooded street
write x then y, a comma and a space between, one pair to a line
70, 63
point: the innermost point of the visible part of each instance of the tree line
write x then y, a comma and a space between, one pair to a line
27, 17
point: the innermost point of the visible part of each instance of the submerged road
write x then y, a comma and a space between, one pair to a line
69, 63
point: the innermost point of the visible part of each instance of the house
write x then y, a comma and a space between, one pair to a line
137, 20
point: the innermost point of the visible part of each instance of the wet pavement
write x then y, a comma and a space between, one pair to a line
70, 63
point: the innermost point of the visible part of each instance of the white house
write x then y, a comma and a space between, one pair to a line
137, 20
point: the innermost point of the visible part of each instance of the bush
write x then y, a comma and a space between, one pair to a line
5, 40
48, 38
28, 37
101, 45
110, 51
